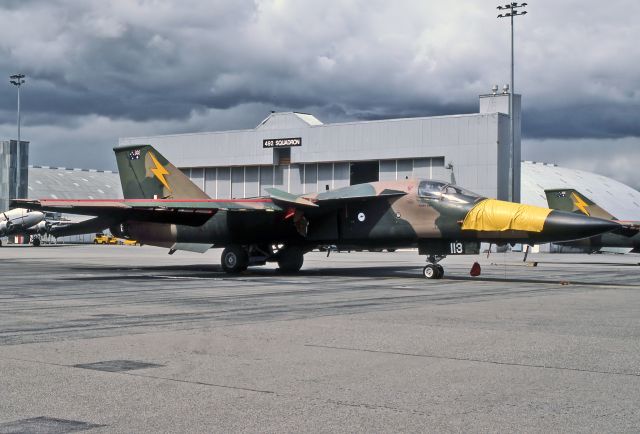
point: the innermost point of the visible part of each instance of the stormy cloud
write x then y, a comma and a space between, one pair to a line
98, 70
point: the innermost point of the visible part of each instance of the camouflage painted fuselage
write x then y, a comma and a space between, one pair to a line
373, 215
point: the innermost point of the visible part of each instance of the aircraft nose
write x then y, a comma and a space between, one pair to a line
567, 226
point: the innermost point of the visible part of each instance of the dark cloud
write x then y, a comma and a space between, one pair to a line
593, 120
616, 158
151, 67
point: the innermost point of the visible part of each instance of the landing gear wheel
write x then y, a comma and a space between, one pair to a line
433, 271
290, 259
234, 259
430, 271
36, 242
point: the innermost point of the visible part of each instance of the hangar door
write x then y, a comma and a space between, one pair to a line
364, 171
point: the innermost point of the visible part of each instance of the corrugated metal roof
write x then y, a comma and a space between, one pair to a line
286, 120
618, 199
65, 183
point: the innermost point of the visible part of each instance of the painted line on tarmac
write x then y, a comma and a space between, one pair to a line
153, 377
464, 359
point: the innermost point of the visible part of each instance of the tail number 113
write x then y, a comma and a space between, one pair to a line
456, 248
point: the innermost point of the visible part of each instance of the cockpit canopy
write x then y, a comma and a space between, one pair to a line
446, 191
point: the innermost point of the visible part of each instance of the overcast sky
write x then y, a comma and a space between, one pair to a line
98, 70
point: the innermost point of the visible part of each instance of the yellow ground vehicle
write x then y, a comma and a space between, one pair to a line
101, 238
127, 242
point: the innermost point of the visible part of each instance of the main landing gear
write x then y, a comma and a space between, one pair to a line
290, 259
433, 270
235, 258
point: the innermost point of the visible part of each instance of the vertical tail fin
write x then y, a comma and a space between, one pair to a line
572, 201
146, 174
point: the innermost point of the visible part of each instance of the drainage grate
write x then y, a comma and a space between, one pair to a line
45, 425
117, 365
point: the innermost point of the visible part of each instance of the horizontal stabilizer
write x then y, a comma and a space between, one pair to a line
96, 224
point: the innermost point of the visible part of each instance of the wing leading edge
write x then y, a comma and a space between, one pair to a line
191, 212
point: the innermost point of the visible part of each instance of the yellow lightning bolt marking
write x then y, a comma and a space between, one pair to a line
580, 204
159, 171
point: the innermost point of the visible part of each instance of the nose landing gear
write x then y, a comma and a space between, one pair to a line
433, 270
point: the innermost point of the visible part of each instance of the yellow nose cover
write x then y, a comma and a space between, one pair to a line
497, 216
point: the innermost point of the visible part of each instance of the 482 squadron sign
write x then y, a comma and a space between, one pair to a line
282, 143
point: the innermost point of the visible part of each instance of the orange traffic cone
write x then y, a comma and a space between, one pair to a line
475, 270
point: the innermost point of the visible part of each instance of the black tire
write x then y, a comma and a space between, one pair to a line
290, 259
36, 242
440, 271
430, 271
234, 259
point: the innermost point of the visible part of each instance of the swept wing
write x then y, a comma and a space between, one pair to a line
191, 212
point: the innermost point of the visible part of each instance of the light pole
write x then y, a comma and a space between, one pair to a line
18, 80
511, 10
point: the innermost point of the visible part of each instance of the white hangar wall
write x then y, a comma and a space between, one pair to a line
470, 148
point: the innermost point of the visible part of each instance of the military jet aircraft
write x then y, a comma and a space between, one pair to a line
162, 207
570, 200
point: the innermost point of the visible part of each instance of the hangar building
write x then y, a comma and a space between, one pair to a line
65, 183
299, 154
14, 178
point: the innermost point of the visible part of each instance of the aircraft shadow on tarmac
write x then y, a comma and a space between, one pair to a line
208, 271
215, 271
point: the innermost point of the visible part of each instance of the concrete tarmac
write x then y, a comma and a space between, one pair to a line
129, 339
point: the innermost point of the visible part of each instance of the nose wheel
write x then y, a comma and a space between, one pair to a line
433, 271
